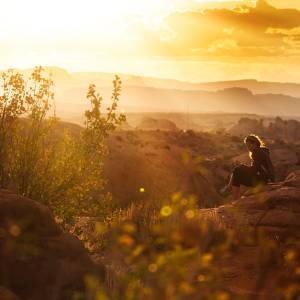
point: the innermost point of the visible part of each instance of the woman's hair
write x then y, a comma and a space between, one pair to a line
254, 139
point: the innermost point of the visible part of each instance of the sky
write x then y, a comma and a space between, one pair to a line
193, 40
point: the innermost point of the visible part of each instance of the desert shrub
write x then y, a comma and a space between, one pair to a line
33, 142
176, 252
170, 253
63, 171
290, 279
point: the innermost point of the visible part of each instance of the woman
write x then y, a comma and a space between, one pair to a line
260, 172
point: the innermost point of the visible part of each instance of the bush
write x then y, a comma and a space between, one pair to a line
167, 254
61, 170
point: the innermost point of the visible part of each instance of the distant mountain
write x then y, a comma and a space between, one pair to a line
103, 79
142, 94
257, 87
148, 99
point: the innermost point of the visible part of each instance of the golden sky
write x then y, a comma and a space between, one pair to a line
185, 39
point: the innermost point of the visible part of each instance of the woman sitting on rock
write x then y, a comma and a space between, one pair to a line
259, 173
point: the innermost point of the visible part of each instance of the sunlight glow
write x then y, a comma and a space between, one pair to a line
130, 36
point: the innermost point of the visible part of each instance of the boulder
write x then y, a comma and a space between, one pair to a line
6, 294
37, 259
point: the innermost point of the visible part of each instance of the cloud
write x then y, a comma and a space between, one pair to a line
243, 31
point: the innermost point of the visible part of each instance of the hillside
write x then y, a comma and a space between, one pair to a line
245, 249
160, 163
175, 161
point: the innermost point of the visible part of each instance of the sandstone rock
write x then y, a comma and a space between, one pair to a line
5, 294
273, 212
37, 260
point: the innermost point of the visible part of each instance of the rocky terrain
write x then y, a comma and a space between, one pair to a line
148, 165
164, 162
39, 261
273, 212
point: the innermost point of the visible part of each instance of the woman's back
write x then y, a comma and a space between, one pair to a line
262, 164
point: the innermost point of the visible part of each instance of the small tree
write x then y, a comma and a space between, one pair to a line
85, 182
63, 171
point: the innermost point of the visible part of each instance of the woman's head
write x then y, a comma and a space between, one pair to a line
252, 142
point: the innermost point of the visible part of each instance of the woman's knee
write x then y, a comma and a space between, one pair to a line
237, 170
237, 175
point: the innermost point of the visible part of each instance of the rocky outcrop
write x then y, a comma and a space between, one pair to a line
272, 213
277, 209
37, 260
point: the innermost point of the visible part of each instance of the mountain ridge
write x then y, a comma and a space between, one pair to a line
140, 94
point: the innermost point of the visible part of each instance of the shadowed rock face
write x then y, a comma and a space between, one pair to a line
5, 294
37, 260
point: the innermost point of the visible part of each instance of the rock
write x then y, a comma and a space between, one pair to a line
5, 294
37, 260
277, 207
258, 220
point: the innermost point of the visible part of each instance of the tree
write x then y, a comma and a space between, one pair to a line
63, 171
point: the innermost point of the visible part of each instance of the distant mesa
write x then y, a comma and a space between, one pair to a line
134, 81
157, 124
240, 91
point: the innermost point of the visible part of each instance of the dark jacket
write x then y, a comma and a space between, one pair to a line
262, 164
